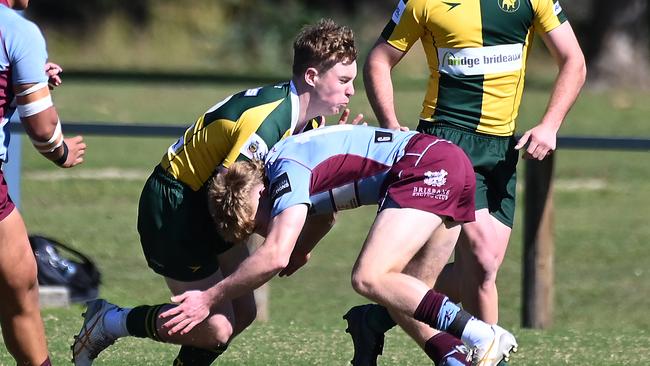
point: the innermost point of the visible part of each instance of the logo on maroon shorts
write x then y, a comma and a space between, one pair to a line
436, 179
428, 192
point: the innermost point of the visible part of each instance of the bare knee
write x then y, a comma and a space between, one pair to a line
21, 288
226, 327
486, 264
221, 331
364, 282
484, 244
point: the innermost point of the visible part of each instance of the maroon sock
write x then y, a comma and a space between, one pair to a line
443, 346
46, 362
429, 307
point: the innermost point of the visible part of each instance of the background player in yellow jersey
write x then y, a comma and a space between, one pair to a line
476, 51
177, 233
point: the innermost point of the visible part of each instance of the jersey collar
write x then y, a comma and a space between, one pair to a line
295, 105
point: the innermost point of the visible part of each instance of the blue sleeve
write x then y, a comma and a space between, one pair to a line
289, 185
27, 53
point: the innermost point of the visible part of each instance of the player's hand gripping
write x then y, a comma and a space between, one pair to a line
53, 70
296, 261
76, 151
344, 119
541, 141
193, 308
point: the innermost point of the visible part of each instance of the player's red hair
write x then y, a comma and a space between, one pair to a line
229, 199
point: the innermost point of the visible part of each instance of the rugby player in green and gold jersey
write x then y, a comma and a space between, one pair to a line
476, 51
177, 234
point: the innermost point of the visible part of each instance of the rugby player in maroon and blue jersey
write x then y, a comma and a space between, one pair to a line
24, 93
424, 187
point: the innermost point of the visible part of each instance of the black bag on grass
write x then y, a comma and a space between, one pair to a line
75, 270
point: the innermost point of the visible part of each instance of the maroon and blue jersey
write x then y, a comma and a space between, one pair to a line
333, 168
22, 61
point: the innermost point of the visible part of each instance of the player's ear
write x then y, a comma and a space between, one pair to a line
311, 74
264, 192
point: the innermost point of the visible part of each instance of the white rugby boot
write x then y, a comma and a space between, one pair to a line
493, 351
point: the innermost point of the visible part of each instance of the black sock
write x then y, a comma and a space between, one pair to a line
379, 319
141, 321
192, 356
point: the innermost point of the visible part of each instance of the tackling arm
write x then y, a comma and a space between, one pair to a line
269, 259
314, 230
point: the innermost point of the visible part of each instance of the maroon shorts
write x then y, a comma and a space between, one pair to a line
434, 176
6, 204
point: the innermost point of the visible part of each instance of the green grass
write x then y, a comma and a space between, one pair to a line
602, 264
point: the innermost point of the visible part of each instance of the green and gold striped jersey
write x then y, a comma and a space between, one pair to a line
476, 51
242, 126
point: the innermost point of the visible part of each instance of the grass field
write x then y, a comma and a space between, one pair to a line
602, 262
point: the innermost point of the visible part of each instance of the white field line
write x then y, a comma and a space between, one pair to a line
587, 184
572, 185
88, 174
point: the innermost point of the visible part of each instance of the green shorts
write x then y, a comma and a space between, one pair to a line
495, 164
178, 236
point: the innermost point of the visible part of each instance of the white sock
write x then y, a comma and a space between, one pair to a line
476, 332
115, 322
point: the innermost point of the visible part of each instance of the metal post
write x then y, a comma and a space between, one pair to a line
12, 168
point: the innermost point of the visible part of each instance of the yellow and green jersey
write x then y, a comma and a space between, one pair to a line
476, 51
242, 126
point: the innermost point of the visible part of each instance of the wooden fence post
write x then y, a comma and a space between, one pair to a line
262, 293
537, 298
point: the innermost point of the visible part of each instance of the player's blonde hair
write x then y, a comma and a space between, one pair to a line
322, 46
228, 199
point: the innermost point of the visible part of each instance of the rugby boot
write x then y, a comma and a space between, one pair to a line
493, 351
92, 338
368, 344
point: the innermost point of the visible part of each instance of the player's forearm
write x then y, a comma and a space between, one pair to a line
569, 82
252, 273
45, 132
268, 260
379, 89
316, 227
40, 120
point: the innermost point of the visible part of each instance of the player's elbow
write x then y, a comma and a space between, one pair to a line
574, 64
278, 264
41, 126
327, 220
373, 68
278, 261
582, 70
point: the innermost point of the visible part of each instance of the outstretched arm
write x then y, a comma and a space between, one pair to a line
269, 259
314, 230
379, 86
564, 47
